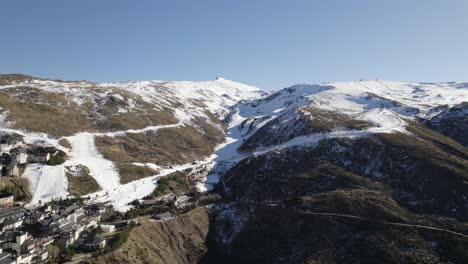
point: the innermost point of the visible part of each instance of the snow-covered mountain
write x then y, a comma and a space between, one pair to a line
159, 127
330, 173
358, 172
72, 115
304, 115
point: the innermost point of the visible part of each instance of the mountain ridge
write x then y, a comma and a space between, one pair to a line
243, 114
292, 175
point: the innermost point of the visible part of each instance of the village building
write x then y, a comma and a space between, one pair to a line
6, 258
72, 225
66, 238
20, 238
6, 240
97, 208
4, 148
107, 228
11, 223
6, 200
12, 170
40, 157
19, 157
163, 216
34, 217
183, 201
163, 199
43, 154
11, 218
91, 241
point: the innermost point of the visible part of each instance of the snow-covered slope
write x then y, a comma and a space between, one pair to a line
272, 121
217, 95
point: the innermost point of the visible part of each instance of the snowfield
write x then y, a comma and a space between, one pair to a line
84, 152
246, 109
46, 182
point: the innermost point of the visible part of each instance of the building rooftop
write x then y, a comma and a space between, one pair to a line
163, 215
11, 211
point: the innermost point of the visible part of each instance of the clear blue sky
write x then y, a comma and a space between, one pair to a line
270, 43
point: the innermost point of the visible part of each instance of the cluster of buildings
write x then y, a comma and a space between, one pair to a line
13, 161
180, 201
16, 244
25, 234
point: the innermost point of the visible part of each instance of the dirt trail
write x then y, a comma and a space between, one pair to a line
385, 222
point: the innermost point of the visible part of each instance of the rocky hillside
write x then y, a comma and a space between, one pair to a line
450, 121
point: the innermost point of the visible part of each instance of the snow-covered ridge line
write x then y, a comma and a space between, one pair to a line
217, 95
420, 96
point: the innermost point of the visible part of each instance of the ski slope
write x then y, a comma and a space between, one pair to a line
46, 182
84, 152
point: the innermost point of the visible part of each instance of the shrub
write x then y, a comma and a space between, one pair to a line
57, 159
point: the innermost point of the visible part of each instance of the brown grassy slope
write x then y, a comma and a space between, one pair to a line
18, 186
129, 172
81, 183
108, 118
178, 240
57, 114
176, 182
7, 79
35, 110
165, 147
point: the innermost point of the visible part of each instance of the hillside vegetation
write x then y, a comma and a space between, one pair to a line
178, 240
